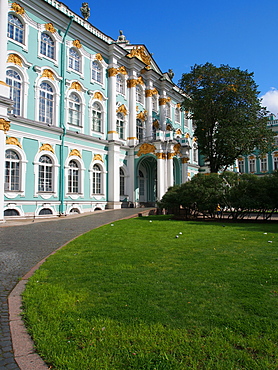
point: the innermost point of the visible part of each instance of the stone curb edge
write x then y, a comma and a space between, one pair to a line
23, 346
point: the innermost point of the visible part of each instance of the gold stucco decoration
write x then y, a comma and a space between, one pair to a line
184, 160
146, 149
178, 132
17, 8
13, 141
169, 127
15, 59
4, 125
3, 83
163, 101
75, 152
122, 109
112, 72
275, 155
142, 115
97, 157
140, 53
98, 95
187, 136
170, 155
122, 70
99, 57
150, 92
49, 27
156, 124
48, 74
77, 44
161, 155
131, 83
47, 147
177, 148
178, 105
76, 86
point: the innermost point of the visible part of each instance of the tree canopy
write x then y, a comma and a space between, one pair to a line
227, 113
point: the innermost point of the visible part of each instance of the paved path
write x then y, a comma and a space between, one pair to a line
24, 243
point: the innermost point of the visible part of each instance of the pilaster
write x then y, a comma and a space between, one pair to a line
112, 133
131, 85
113, 176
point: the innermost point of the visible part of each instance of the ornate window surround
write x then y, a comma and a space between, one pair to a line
103, 179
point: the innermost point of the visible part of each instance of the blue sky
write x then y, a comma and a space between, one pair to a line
240, 33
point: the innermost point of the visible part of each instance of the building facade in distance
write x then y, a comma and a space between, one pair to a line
86, 122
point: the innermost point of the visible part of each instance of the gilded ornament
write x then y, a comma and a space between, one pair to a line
122, 109
170, 155
177, 148
131, 83
75, 152
13, 141
3, 83
98, 96
275, 155
156, 124
140, 53
149, 93
76, 86
47, 147
178, 132
184, 160
195, 138
17, 8
4, 125
15, 59
178, 105
140, 81
163, 101
160, 155
122, 70
97, 157
77, 44
146, 149
112, 132
142, 115
99, 57
132, 138
49, 27
187, 136
112, 72
48, 74
168, 127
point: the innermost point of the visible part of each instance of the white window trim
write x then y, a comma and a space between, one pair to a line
24, 21
55, 175
125, 124
126, 185
142, 89
81, 166
103, 65
103, 182
255, 165
80, 94
103, 116
22, 175
124, 78
55, 37
82, 60
267, 167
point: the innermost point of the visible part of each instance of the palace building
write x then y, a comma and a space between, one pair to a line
87, 122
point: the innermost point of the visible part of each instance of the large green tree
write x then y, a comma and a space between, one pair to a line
227, 113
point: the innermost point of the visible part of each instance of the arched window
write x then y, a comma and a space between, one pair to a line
96, 72
167, 111
15, 29
74, 60
73, 177
120, 84
97, 174
12, 171
275, 161
139, 94
154, 103
74, 110
45, 174
46, 103
122, 182
177, 115
47, 46
13, 79
139, 130
96, 117
120, 125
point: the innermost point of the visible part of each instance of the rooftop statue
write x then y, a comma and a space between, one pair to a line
85, 10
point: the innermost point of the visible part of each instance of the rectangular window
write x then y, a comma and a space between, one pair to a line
252, 167
241, 165
264, 164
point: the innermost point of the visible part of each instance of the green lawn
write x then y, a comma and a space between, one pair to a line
132, 295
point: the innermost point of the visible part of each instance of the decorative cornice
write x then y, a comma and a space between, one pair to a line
142, 115
75, 152
163, 101
4, 125
15, 59
140, 53
122, 109
76, 86
47, 147
134, 82
17, 8
97, 157
13, 141
150, 92
77, 44
146, 149
98, 95
49, 27
48, 74
99, 57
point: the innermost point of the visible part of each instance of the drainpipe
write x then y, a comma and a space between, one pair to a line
62, 121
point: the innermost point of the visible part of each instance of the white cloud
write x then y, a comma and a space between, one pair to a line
270, 101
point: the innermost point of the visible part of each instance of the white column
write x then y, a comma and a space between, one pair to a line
184, 169
149, 94
131, 178
162, 112
160, 175
131, 84
170, 170
4, 95
112, 117
113, 176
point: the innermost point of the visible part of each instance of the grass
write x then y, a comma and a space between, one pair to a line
133, 296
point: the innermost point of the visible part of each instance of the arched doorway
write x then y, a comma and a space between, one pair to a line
146, 181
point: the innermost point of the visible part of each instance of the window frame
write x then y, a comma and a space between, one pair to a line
102, 174
72, 61
22, 172
120, 125
18, 111
49, 49
23, 29
48, 118
120, 84
55, 174
74, 113
98, 72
